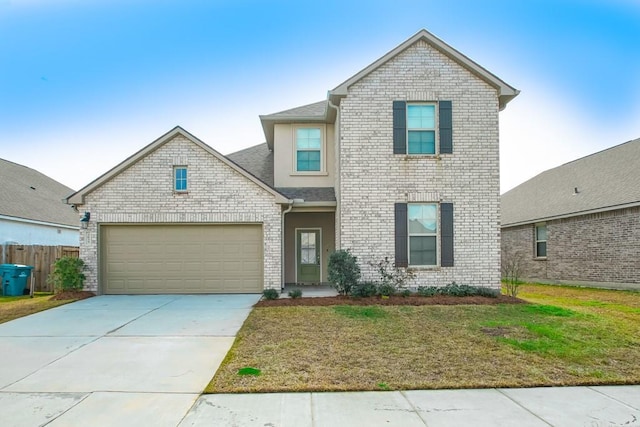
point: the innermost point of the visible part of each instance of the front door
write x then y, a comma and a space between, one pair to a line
308, 256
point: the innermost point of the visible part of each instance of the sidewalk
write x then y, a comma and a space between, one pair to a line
604, 406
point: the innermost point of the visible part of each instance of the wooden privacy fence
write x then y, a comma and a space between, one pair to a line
41, 258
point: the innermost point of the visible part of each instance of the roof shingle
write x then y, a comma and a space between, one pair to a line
604, 180
28, 194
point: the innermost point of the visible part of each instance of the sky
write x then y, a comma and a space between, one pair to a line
84, 84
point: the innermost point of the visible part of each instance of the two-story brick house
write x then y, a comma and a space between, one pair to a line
400, 161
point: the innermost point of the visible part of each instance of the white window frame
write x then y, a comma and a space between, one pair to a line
436, 234
536, 241
436, 120
175, 179
323, 133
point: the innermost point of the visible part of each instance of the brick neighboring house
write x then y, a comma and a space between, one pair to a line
400, 161
580, 222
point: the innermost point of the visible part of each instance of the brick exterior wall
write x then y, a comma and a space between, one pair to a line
372, 178
599, 248
143, 193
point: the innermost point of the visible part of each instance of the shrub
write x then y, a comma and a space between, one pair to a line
391, 276
270, 294
344, 272
386, 289
456, 290
405, 293
364, 289
67, 274
295, 293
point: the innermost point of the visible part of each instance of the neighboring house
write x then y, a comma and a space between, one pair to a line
580, 222
400, 161
32, 208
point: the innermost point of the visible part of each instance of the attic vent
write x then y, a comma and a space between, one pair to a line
575, 191
32, 187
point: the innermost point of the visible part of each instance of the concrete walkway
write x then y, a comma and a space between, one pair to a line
115, 360
570, 406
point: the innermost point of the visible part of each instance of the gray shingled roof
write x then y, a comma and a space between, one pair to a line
28, 194
317, 110
609, 179
257, 160
309, 194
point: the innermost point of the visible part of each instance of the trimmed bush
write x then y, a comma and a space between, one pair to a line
364, 289
456, 290
295, 293
270, 294
344, 272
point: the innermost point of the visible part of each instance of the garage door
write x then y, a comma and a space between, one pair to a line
153, 259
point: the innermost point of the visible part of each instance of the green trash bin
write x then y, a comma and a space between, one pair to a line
14, 278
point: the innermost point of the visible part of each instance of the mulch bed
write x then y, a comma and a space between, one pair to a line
77, 295
393, 300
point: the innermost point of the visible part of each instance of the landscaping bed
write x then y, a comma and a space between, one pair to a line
391, 300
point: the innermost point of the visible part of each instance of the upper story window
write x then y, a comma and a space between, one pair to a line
180, 178
541, 241
308, 143
421, 129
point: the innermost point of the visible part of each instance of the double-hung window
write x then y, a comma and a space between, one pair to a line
541, 241
423, 233
180, 178
421, 129
308, 149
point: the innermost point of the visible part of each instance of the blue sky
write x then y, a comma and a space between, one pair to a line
86, 83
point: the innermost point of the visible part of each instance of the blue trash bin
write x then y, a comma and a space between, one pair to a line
14, 278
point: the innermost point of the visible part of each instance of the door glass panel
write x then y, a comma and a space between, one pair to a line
307, 248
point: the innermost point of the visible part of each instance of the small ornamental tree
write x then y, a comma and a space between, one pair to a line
67, 274
344, 272
512, 270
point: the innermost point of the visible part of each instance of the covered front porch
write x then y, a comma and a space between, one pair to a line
309, 235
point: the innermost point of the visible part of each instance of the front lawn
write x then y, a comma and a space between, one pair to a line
567, 336
15, 307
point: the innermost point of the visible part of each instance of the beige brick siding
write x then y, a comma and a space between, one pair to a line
600, 248
143, 193
373, 178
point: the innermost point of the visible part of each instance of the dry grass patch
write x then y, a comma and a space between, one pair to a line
15, 307
430, 347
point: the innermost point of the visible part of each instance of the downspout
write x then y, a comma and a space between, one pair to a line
282, 243
338, 159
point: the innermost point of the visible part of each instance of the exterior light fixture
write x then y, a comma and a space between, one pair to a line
84, 221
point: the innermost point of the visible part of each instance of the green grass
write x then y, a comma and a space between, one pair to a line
567, 336
15, 307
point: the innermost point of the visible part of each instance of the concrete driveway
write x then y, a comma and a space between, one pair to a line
115, 360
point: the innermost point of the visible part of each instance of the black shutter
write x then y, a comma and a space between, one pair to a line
399, 127
446, 127
446, 234
402, 257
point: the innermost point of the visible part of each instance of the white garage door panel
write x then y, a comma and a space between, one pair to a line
146, 259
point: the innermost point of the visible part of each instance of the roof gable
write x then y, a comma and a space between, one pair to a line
607, 180
26, 193
505, 92
78, 197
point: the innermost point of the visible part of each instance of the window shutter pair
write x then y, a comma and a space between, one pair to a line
445, 133
402, 235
